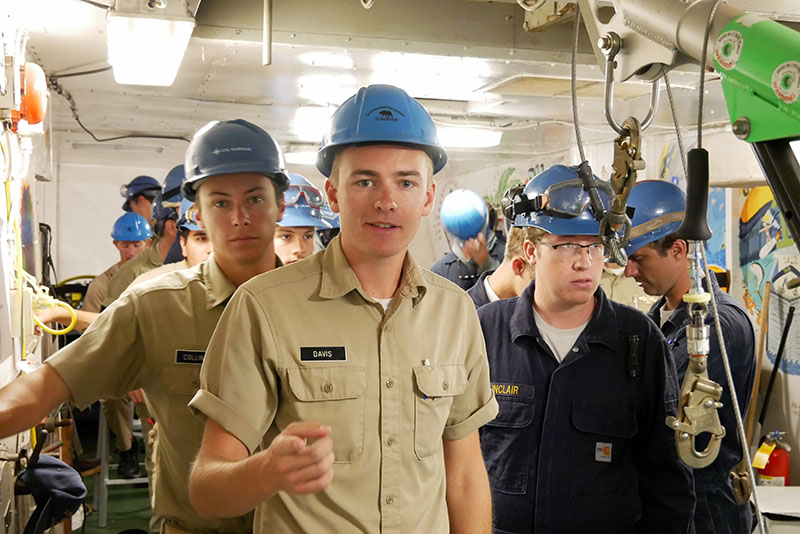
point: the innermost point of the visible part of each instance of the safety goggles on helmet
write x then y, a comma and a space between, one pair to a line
187, 216
312, 195
563, 199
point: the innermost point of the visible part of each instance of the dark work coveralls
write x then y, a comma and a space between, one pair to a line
464, 275
478, 292
582, 446
717, 511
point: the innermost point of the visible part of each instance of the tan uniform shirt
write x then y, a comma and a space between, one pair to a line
154, 337
626, 291
158, 271
98, 289
305, 343
141, 263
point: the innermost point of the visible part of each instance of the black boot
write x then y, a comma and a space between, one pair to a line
129, 462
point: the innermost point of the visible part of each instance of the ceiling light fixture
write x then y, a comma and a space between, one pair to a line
308, 157
146, 44
310, 123
455, 137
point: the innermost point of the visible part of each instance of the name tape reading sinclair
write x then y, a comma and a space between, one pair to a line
513, 390
323, 354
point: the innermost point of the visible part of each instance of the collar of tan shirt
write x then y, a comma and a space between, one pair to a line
338, 277
218, 287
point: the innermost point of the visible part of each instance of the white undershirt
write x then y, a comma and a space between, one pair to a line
559, 340
490, 294
384, 303
664, 314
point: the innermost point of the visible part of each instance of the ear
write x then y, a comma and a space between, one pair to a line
679, 249
430, 197
518, 266
281, 209
333, 196
199, 215
529, 249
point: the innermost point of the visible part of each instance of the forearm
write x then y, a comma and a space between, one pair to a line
469, 506
29, 398
84, 319
62, 316
469, 499
223, 488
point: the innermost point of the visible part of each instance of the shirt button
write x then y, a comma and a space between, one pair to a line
390, 383
328, 387
574, 349
390, 441
445, 385
389, 500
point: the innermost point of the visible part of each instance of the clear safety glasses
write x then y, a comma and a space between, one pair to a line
312, 195
571, 250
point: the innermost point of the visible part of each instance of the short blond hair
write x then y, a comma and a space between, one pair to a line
334, 177
516, 241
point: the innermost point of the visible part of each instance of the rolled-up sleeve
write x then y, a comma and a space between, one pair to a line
238, 390
476, 406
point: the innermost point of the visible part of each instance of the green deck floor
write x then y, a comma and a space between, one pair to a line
128, 506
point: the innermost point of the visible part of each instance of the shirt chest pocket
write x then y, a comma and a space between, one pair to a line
332, 396
182, 383
436, 388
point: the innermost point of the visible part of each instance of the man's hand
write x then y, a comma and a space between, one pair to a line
227, 482
475, 249
137, 396
56, 314
293, 465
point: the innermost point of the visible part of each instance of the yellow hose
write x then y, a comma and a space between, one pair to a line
66, 329
72, 278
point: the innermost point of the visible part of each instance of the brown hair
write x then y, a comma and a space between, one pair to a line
665, 243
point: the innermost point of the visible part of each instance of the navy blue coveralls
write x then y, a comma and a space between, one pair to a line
717, 511
466, 274
582, 446
478, 292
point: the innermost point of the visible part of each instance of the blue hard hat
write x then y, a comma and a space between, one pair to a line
329, 216
171, 191
229, 147
464, 214
131, 227
141, 185
558, 204
303, 205
325, 235
162, 212
187, 216
658, 212
380, 114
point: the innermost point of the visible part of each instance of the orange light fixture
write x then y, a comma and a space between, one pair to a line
33, 93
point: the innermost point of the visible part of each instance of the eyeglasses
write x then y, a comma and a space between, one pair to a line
571, 250
312, 195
